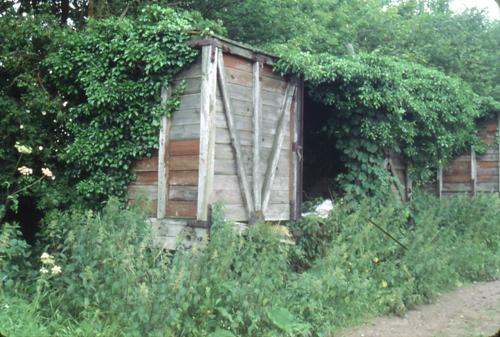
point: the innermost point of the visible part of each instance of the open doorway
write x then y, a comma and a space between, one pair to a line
322, 160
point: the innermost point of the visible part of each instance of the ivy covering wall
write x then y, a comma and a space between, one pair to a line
379, 104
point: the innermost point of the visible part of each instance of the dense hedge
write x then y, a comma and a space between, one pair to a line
378, 104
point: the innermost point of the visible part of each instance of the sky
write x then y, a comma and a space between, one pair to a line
489, 5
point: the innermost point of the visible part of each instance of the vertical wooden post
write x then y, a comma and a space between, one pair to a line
257, 108
233, 133
163, 158
408, 184
473, 172
440, 182
207, 129
277, 144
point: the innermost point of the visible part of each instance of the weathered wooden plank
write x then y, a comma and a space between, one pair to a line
246, 138
234, 134
457, 187
257, 113
245, 108
277, 146
274, 84
183, 193
186, 117
277, 212
192, 84
146, 164
146, 178
233, 196
183, 178
187, 131
228, 166
473, 170
189, 102
222, 182
237, 62
491, 186
184, 163
268, 71
164, 137
181, 209
184, 147
207, 129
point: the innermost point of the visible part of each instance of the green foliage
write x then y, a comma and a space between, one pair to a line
110, 75
380, 104
115, 283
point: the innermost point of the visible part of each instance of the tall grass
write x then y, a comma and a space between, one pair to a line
341, 269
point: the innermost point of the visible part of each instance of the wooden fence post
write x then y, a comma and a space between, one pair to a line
163, 158
440, 182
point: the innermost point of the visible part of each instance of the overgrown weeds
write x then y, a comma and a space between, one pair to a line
341, 269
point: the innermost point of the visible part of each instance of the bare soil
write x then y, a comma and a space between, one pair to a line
471, 311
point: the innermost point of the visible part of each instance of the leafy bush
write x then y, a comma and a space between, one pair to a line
114, 282
380, 104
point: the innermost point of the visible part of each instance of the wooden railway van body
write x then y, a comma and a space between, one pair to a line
235, 139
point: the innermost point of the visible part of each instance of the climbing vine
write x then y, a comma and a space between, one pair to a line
109, 77
379, 104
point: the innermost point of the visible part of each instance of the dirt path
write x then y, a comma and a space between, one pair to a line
471, 311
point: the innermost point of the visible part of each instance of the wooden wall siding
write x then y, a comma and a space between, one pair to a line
471, 173
239, 76
186, 120
146, 183
183, 177
236, 126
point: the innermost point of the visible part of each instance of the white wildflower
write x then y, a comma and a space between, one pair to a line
56, 270
40, 148
21, 126
44, 113
23, 148
44, 270
24, 14
47, 172
47, 258
25, 171
65, 103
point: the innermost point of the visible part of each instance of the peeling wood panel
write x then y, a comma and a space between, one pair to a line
184, 147
183, 178
181, 209
183, 193
184, 163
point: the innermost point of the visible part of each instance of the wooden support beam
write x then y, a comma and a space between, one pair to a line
207, 130
163, 156
408, 184
277, 144
473, 172
257, 125
439, 181
240, 164
398, 183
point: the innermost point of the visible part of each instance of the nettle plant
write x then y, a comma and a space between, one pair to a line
379, 104
110, 76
